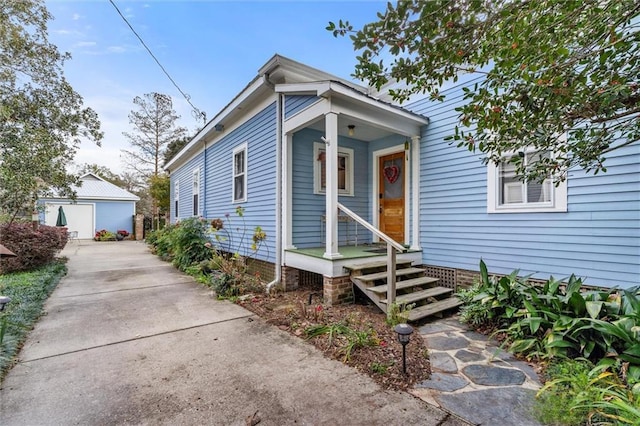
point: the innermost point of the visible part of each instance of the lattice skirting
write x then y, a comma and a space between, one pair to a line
447, 276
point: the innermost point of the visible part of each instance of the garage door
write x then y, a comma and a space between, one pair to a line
80, 218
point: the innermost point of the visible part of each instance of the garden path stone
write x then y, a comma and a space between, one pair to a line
490, 386
443, 362
443, 343
489, 375
499, 406
444, 382
435, 328
468, 356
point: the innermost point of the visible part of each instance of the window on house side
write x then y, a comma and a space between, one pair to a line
345, 170
506, 193
196, 192
240, 174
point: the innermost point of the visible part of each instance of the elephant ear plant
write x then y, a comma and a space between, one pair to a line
559, 320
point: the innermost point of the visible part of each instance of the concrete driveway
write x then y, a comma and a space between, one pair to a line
127, 339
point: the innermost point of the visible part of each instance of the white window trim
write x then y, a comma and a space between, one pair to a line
317, 178
236, 150
176, 199
196, 182
558, 202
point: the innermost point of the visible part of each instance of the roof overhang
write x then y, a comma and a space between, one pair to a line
336, 97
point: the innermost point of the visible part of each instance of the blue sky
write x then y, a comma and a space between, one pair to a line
212, 49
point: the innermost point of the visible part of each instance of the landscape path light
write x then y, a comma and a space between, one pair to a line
3, 301
404, 335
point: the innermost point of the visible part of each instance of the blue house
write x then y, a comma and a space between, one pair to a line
353, 190
99, 205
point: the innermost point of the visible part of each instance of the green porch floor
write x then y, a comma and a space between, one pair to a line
347, 252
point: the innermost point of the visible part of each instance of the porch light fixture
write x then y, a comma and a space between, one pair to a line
3, 301
219, 127
352, 129
404, 335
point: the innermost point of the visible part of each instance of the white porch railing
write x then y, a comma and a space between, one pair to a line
392, 248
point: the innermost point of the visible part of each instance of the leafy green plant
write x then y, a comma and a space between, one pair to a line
188, 242
556, 403
398, 313
580, 393
353, 339
380, 367
332, 330
359, 339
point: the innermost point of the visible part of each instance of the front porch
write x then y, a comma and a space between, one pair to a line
313, 259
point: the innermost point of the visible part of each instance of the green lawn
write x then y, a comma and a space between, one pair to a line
28, 292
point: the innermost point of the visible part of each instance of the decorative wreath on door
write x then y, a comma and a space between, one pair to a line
391, 173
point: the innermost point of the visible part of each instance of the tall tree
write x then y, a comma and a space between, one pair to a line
155, 126
160, 190
550, 67
42, 119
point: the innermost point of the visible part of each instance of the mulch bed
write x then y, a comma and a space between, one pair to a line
380, 357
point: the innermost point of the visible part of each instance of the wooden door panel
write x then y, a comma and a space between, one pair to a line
391, 195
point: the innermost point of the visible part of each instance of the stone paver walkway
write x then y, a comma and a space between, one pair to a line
474, 379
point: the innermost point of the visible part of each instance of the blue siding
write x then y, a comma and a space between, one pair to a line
259, 133
598, 238
109, 215
295, 103
114, 215
309, 207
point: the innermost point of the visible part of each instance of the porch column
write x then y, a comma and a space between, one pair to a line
331, 190
415, 189
287, 195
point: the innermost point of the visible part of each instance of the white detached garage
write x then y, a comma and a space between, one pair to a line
99, 205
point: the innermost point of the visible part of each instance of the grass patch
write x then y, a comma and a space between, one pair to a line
28, 292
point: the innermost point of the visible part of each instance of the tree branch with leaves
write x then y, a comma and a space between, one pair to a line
42, 119
548, 67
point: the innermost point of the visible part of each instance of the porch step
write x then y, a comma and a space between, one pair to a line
417, 296
412, 286
383, 275
376, 265
430, 309
401, 285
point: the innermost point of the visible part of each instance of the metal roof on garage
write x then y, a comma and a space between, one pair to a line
96, 188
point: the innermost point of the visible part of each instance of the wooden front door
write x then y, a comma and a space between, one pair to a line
391, 170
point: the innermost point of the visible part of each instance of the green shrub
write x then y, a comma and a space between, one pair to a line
34, 248
579, 393
398, 313
189, 242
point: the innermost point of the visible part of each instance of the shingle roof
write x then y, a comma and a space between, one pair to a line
97, 188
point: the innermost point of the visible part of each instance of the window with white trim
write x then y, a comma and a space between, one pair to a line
507, 193
345, 169
240, 174
196, 192
176, 198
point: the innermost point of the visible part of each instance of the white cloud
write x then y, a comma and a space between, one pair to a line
76, 16
85, 44
116, 49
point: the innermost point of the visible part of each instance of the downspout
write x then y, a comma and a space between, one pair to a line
278, 212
